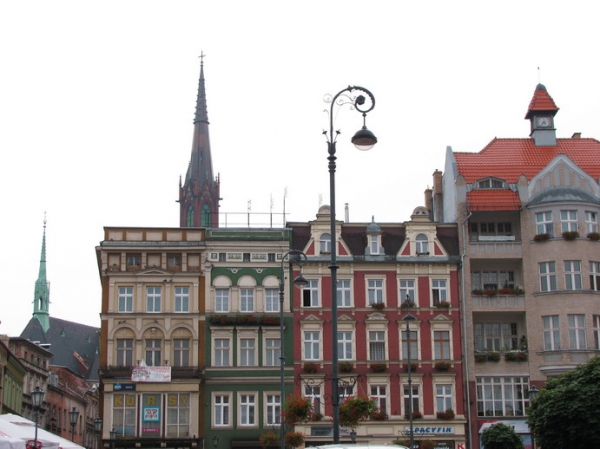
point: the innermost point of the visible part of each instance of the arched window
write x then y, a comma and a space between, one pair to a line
422, 244
189, 219
325, 243
205, 219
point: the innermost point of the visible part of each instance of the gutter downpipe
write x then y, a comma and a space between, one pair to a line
464, 322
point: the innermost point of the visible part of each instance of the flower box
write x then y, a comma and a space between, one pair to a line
378, 305
443, 305
595, 236
345, 367
407, 304
416, 414
442, 366
378, 367
570, 235
413, 367
481, 358
493, 356
446, 414
379, 415
310, 368
515, 356
541, 237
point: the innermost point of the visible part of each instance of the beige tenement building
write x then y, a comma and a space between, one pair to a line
527, 211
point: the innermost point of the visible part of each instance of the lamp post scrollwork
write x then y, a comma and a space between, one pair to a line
364, 140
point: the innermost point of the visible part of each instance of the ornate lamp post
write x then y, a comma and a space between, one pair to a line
291, 256
363, 140
73, 418
37, 398
408, 318
98, 429
215, 441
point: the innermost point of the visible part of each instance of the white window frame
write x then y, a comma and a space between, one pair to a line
573, 279
310, 293
375, 290
544, 224
181, 352
153, 351
374, 247
407, 287
271, 300
595, 276
416, 397
311, 344
502, 396
422, 244
345, 344
591, 221
272, 411
577, 336
125, 299
443, 397
247, 350
325, 243
153, 299
547, 276
124, 351
221, 410
221, 353
441, 346
568, 221
379, 395
247, 299
551, 326
182, 299
596, 330
272, 350
344, 293
315, 395
377, 345
414, 345
439, 291
247, 409
222, 300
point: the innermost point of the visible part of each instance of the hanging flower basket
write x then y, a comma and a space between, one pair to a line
355, 409
294, 439
268, 439
297, 409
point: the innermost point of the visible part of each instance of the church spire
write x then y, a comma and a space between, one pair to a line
199, 195
41, 299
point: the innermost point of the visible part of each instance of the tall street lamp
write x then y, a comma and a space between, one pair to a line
363, 140
37, 398
98, 429
73, 418
291, 256
408, 318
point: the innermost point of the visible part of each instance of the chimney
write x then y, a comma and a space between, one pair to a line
576, 136
346, 213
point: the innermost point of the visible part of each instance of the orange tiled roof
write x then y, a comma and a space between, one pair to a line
508, 159
493, 200
541, 102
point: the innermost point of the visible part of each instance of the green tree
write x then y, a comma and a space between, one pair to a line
501, 436
567, 411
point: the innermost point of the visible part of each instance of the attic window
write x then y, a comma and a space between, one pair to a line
490, 183
325, 243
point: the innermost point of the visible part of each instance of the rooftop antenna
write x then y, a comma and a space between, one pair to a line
249, 209
539, 76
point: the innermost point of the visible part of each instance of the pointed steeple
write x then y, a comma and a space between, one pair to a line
41, 297
199, 195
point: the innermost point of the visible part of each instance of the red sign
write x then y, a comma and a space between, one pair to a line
31, 444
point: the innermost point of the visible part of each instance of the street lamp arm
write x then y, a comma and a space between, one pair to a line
364, 103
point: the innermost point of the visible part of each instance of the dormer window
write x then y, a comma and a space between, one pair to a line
422, 244
374, 244
490, 183
325, 243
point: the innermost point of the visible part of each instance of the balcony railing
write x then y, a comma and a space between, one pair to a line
498, 301
505, 246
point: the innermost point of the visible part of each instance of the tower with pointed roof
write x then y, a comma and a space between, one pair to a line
41, 299
199, 195
541, 112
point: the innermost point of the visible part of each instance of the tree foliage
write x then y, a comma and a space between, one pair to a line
567, 411
501, 436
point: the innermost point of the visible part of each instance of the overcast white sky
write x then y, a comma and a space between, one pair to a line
97, 100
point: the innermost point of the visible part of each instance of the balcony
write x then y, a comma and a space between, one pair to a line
494, 246
498, 302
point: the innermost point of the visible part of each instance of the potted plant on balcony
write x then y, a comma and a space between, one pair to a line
493, 356
416, 414
570, 235
378, 367
442, 366
541, 237
443, 305
297, 409
481, 357
310, 368
268, 439
345, 367
447, 414
294, 439
355, 409
378, 305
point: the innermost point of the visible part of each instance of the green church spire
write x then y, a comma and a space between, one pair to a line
41, 299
